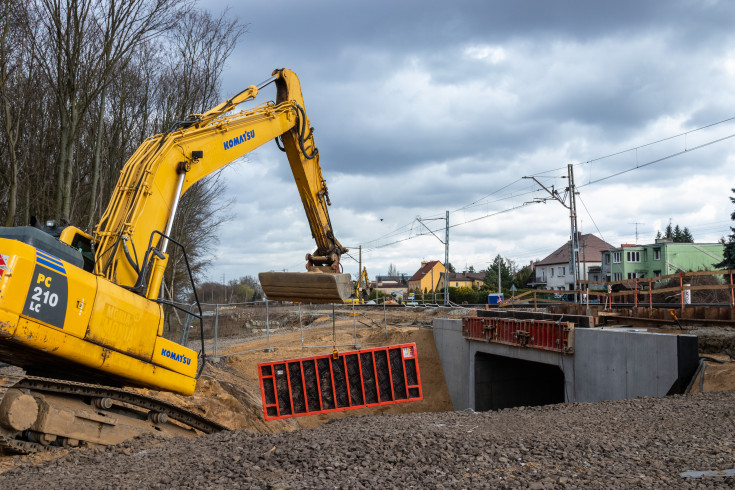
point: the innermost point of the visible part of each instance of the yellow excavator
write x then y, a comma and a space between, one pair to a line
83, 316
361, 292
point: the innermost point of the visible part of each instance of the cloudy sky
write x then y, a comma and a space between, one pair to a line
421, 107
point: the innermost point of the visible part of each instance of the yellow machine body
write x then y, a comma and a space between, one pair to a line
51, 310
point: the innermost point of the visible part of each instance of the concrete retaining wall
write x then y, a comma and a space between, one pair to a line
606, 364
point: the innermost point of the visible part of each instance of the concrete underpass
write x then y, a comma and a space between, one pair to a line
606, 364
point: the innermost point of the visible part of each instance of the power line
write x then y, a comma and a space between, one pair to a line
408, 228
478, 202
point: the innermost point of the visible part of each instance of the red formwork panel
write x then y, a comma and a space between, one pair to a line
356, 379
536, 334
472, 327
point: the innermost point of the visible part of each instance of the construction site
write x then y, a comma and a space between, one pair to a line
181, 305
533, 438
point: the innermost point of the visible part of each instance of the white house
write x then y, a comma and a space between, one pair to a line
555, 271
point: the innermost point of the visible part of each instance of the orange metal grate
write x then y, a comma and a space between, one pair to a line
356, 379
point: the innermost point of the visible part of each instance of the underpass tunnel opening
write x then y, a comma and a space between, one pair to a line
504, 382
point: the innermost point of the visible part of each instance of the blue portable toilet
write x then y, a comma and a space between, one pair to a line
495, 298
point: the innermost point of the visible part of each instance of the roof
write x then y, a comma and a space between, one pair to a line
390, 285
390, 278
590, 250
466, 276
425, 269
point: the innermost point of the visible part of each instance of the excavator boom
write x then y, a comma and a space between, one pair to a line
132, 235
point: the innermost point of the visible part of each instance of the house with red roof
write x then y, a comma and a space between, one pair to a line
427, 277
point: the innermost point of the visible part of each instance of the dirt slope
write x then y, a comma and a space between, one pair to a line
229, 391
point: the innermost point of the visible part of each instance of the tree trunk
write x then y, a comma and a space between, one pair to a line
96, 161
61, 164
69, 165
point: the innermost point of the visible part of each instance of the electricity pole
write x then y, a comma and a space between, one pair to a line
572, 207
446, 251
573, 220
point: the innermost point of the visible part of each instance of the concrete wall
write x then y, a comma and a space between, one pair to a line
454, 355
614, 364
606, 364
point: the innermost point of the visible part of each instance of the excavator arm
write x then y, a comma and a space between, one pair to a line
132, 236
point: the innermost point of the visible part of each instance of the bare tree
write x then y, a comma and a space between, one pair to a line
79, 43
118, 71
16, 70
194, 71
190, 82
392, 270
200, 213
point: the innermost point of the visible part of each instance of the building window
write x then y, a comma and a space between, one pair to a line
634, 256
607, 258
617, 257
617, 276
656, 254
656, 273
552, 272
562, 271
636, 275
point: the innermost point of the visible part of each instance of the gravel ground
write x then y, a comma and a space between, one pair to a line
642, 443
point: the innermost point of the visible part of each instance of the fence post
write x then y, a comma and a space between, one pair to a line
635, 283
301, 327
681, 292
267, 328
216, 328
385, 316
354, 323
650, 300
732, 292
187, 324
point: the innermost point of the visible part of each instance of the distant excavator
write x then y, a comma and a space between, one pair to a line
87, 308
362, 289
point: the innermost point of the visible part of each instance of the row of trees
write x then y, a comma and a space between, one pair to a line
82, 83
510, 275
676, 234
242, 290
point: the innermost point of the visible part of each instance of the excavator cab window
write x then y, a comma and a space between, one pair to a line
81, 242
84, 245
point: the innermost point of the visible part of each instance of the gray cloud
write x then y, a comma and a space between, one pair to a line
425, 106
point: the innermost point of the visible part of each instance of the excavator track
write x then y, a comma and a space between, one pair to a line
15, 443
9, 445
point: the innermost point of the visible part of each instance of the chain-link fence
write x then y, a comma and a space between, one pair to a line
225, 325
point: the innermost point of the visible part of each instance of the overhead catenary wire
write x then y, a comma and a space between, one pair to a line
480, 202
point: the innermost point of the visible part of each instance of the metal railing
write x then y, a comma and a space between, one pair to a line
635, 291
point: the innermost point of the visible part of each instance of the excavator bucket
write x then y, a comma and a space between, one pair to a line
306, 287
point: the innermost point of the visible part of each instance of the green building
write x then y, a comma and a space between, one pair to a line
659, 259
